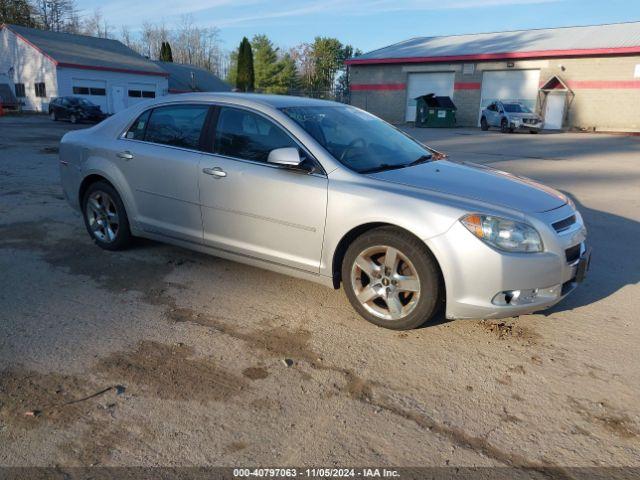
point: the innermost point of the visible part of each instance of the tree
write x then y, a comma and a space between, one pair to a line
165, 52
266, 64
96, 25
56, 15
17, 12
327, 58
245, 79
232, 72
286, 80
343, 87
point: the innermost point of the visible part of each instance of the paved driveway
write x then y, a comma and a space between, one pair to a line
161, 356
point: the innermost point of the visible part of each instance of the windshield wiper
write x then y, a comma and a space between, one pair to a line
384, 166
422, 159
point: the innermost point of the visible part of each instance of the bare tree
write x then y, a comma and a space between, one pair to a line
56, 15
96, 25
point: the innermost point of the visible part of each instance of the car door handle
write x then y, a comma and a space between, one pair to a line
215, 171
125, 155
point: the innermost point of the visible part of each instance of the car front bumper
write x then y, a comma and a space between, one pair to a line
520, 125
482, 282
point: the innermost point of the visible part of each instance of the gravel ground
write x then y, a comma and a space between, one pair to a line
161, 356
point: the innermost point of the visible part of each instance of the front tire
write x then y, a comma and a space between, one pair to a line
105, 217
73, 118
484, 125
391, 279
53, 116
534, 132
504, 126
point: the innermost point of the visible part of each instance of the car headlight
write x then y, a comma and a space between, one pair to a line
503, 234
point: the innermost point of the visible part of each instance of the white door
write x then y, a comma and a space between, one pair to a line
510, 86
117, 99
418, 84
554, 111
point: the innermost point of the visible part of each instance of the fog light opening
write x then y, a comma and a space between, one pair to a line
526, 296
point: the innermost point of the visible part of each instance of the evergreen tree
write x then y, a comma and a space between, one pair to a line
266, 64
167, 54
245, 79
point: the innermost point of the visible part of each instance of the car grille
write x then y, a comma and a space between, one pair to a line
528, 120
564, 224
572, 253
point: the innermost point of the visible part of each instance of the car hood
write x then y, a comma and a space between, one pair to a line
477, 182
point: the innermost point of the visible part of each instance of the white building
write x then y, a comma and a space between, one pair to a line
40, 65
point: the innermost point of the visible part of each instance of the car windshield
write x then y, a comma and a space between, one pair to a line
516, 108
81, 101
357, 139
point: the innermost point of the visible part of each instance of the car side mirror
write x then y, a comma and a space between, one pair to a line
287, 157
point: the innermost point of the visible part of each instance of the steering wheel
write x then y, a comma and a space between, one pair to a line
352, 145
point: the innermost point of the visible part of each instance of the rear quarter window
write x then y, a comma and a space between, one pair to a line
137, 130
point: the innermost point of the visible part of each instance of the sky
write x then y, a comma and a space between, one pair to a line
365, 24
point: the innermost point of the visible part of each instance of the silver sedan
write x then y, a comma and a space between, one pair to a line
329, 193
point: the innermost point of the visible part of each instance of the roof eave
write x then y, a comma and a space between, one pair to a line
499, 56
112, 69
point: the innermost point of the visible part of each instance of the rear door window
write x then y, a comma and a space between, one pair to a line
176, 125
249, 136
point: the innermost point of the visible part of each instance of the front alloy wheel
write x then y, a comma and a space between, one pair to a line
391, 279
385, 282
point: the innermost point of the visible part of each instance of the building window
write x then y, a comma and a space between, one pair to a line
101, 92
20, 91
41, 90
142, 94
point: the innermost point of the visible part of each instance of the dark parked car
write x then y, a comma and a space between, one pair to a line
74, 109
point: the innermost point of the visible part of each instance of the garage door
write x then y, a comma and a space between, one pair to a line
510, 85
419, 84
93, 90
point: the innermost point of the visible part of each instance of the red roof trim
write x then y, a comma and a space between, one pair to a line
111, 69
500, 56
377, 86
32, 45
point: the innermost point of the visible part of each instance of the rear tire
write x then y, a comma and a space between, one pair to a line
401, 290
534, 132
105, 217
484, 126
53, 116
73, 119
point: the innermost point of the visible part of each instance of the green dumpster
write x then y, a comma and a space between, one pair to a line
432, 111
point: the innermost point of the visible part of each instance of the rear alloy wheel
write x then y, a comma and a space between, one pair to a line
391, 279
105, 217
73, 118
484, 126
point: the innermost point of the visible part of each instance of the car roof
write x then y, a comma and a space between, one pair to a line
250, 99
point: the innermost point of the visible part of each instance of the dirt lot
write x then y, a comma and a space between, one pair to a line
161, 356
